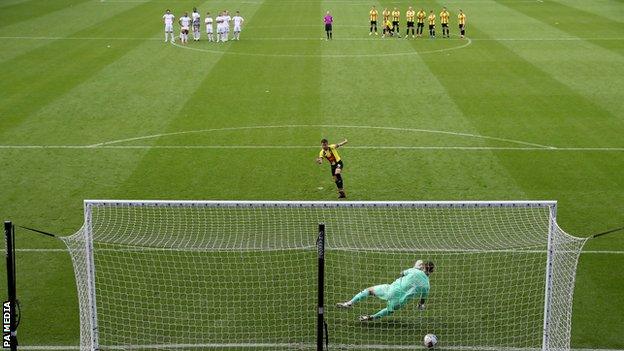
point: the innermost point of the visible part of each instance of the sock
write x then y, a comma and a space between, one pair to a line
360, 296
382, 313
331, 35
339, 181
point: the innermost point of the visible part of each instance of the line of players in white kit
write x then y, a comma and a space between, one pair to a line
223, 21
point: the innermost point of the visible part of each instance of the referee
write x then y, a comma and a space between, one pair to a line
328, 20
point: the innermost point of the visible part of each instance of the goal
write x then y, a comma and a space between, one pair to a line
245, 274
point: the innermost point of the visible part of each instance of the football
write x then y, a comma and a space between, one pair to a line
430, 341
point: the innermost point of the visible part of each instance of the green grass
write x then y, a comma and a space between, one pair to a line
76, 90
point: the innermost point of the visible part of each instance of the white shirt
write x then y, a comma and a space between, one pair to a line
226, 20
208, 21
219, 20
238, 20
185, 21
169, 17
195, 16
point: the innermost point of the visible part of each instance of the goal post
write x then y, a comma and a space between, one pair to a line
268, 274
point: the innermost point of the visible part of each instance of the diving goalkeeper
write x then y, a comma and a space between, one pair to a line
413, 282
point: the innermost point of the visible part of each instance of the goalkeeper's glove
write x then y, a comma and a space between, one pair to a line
421, 306
365, 318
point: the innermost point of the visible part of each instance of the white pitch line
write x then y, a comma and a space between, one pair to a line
416, 130
261, 147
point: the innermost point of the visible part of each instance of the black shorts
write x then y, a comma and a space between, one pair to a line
444, 25
410, 24
373, 23
420, 24
432, 26
461, 27
336, 166
184, 31
395, 23
328, 27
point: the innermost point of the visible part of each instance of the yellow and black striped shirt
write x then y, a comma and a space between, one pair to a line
444, 17
386, 15
396, 15
431, 19
421, 15
461, 18
331, 154
410, 15
373, 15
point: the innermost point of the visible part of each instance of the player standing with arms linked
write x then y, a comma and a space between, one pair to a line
373, 20
409, 15
185, 22
329, 21
396, 17
168, 17
330, 152
421, 15
196, 24
208, 21
431, 20
238, 25
461, 18
444, 21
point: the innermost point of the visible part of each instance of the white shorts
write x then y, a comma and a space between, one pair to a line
209, 29
168, 27
226, 29
237, 28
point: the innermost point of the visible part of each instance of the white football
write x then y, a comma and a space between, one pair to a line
430, 340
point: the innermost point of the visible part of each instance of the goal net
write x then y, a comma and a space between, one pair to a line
243, 275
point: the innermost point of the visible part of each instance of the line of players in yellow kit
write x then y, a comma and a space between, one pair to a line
391, 27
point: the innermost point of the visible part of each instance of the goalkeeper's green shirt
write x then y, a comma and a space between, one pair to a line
413, 283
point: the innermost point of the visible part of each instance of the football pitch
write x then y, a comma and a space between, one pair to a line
94, 105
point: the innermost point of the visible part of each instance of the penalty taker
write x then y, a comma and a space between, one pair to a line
413, 282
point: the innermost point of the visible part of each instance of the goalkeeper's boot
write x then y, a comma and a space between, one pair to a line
365, 318
344, 304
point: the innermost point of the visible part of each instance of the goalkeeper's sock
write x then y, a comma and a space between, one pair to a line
382, 313
360, 296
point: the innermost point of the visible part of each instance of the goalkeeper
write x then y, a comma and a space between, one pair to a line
413, 282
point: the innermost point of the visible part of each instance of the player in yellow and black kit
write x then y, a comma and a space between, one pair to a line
386, 15
387, 29
396, 17
444, 21
431, 20
410, 15
420, 16
373, 20
330, 152
461, 19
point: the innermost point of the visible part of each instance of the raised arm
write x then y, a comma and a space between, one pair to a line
342, 143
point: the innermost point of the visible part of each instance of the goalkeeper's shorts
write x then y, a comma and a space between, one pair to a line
381, 291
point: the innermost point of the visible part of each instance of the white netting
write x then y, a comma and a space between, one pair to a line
244, 275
